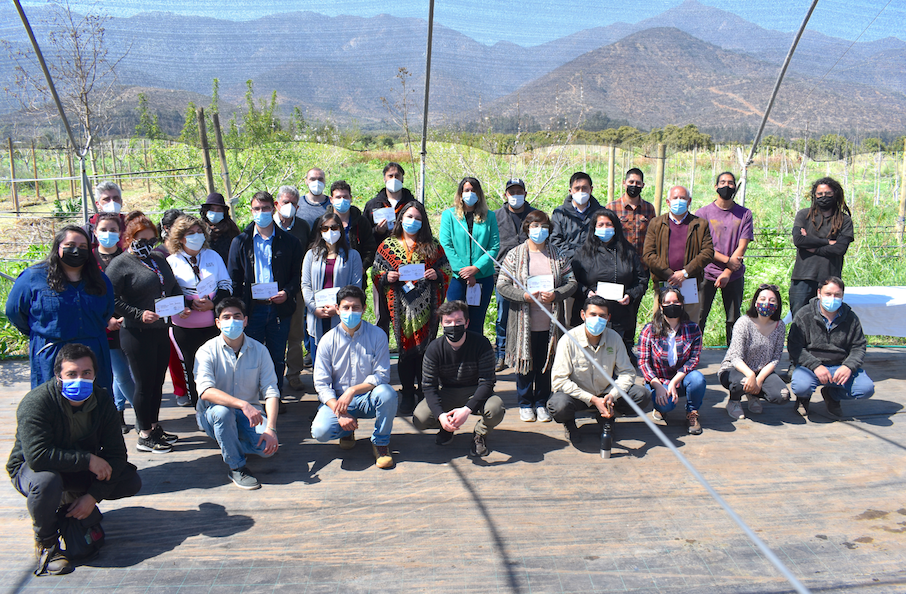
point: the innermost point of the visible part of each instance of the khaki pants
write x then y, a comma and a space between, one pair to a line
491, 413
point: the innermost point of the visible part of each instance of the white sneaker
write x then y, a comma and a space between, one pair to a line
734, 409
183, 401
754, 405
527, 415
656, 415
542, 415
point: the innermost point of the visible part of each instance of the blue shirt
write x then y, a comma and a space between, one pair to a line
344, 360
263, 249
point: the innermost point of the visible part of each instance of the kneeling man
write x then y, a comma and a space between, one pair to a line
458, 380
232, 372
352, 371
579, 387
68, 441
827, 345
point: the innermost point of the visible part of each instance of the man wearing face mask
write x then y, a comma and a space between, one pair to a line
827, 346
458, 380
678, 246
261, 255
731, 229
68, 442
579, 387
358, 230
315, 202
570, 221
231, 370
510, 217
108, 197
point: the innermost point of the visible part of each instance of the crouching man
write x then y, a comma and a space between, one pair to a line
68, 442
232, 371
458, 379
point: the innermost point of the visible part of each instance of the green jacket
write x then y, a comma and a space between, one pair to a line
458, 246
43, 438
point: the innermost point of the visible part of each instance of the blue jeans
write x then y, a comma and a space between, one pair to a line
503, 316
457, 292
231, 428
271, 331
693, 388
379, 404
123, 384
858, 387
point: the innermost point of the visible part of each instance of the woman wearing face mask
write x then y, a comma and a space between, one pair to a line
754, 353
221, 228
412, 303
669, 348
64, 299
108, 230
141, 276
467, 231
822, 234
531, 333
329, 264
193, 263
175, 366
356, 227
607, 257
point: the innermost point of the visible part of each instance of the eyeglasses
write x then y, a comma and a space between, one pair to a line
539, 226
330, 228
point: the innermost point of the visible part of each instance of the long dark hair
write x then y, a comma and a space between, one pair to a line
659, 323
752, 312
319, 246
91, 272
623, 248
840, 208
425, 245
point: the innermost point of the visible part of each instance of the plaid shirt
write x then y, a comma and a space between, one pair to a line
653, 352
635, 220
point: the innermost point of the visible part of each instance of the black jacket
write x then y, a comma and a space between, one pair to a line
381, 201
606, 266
569, 228
43, 438
811, 344
286, 266
510, 235
361, 236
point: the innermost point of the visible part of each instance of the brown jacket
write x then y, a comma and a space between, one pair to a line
699, 249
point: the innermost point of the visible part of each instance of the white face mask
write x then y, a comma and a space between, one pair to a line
516, 201
194, 241
581, 198
288, 210
316, 188
112, 206
393, 185
331, 237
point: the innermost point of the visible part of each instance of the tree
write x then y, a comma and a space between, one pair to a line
399, 110
148, 123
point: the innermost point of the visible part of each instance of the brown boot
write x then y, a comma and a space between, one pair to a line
51, 560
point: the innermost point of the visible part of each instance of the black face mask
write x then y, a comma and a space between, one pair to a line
726, 192
633, 191
826, 202
454, 333
142, 247
672, 311
74, 256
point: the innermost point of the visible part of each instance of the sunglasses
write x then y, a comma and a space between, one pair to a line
330, 228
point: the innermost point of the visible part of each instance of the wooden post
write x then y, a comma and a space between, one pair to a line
147, 167
34, 163
611, 158
205, 150
103, 160
71, 181
56, 184
12, 175
692, 173
659, 177
221, 152
113, 157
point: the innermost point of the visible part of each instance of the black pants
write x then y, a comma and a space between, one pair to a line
801, 292
148, 353
732, 296
563, 407
189, 340
733, 379
44, 490
534, 388
409, 368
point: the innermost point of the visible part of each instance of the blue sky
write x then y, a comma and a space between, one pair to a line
532, 22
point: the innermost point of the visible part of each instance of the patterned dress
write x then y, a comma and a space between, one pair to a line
413, 313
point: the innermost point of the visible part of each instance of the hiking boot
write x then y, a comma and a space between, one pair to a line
734, 409
153, 443
804, 403
571, 433
606, 438
754, 404
833, 406
527, 415
542, 415
243, 479
695, 427
479, 448
123, 426
295, 383
383, 457
51, 560
347, 442
443, 438
162, 435
501, 364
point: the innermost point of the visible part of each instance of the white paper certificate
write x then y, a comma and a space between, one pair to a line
264, 290
689, 289
169, 306
542, 282
473, 295
206, 286
609, 291
384, 214
412, 272
326, 297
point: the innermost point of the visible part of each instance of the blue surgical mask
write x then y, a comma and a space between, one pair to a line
194, 241
595, 325
605, 234
108, 239
231, 328
831, 304
263, 218
538, 234
351, 319
77, 390
469, 198
342, 205
678, 206
214, 217
411, 226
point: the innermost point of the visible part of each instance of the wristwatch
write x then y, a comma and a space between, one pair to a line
685, 274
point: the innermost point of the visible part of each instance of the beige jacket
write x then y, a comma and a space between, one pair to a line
573, 374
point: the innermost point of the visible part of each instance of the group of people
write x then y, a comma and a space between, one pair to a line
236, 308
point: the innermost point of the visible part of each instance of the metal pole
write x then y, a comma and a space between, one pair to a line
424, 152
901, 220
205, 150
611, 154
12, 174
659, 177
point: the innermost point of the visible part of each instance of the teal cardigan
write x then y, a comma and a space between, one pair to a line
458, 245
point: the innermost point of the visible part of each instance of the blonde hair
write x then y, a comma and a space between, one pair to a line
481, 207
180, 229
